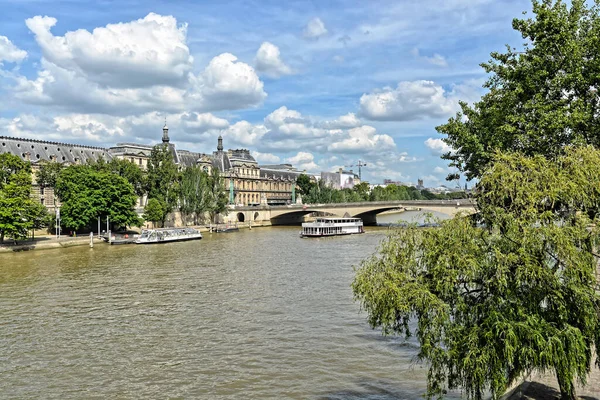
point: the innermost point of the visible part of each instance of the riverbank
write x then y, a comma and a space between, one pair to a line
49, 242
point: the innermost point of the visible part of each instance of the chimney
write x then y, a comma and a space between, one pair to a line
53, 157
28, 156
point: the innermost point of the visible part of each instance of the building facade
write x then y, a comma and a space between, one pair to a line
340, 179
247, 182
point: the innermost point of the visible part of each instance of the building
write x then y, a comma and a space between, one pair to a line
247, 182
340, 179
38, 151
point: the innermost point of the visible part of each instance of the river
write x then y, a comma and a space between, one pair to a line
253, 314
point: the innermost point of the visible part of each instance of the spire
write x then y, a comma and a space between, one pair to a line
165, 137
220, 143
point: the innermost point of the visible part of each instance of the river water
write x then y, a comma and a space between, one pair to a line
253, 314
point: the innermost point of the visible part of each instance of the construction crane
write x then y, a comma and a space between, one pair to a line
359, 165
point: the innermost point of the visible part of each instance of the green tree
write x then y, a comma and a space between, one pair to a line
541, 98
127, 169
217, 196
304, 184
19, 212
87, 193
48, 173
195, 194
362, 189
163, 179
511, 290
154, 212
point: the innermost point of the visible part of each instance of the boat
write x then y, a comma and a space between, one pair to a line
224, 228
332, 227
166, 235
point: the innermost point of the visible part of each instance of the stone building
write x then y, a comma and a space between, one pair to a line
38, 151
247, 183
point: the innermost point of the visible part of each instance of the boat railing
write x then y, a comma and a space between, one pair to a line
331, 224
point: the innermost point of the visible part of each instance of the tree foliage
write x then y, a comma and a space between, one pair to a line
163, 181
195, 195
87, 193
48, 173
217, 196
304, 184
541, 98
19, 212
154, 211
511, 290
125, 168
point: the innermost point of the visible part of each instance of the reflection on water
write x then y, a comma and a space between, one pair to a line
252, 314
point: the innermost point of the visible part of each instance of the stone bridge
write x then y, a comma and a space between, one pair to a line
294, 214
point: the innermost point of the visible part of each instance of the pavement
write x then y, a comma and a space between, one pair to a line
544, 386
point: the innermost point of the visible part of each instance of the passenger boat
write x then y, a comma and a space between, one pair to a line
332, 227
166, 235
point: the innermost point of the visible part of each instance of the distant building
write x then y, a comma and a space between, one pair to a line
246, 182
340, 179
420, 184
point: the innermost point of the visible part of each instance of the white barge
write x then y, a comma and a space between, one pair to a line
167, 235
332, 227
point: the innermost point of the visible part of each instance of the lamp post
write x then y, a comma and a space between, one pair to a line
57, 222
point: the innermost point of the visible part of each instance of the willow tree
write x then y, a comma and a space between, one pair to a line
511, 290
541, 97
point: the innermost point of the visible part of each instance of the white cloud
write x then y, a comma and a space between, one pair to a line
145, 52
131, 68
437, 146
267, 158
203, 122
304, 161
244, 133
439, 170
363, 139
349, 120
227, 83
436, 59
315, 29
9, 52
409, 101
268, 61
285, 123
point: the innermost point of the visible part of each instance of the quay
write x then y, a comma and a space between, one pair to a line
48, 242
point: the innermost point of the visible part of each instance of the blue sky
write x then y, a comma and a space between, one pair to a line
318, 84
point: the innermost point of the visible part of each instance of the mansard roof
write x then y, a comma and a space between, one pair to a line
240, 157
280, 174
41, 150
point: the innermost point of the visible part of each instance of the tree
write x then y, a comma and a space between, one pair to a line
127, 169
362, 189
507, 291
48, 173
87, 193
540, 99
195, 194
217, 196
154, 211
304, 184
19, 212
163, 178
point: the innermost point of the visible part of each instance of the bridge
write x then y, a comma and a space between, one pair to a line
294, 214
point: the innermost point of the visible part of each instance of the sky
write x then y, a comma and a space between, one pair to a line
318, 84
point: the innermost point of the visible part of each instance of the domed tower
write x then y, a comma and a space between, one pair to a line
165, 137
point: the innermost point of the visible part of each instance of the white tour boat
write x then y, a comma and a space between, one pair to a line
332, 227
166, 235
